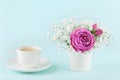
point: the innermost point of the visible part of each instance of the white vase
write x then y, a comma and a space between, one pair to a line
79, 61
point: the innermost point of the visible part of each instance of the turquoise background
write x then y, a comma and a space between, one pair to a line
26, 22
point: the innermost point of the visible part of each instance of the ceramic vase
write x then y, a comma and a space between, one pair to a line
79, 61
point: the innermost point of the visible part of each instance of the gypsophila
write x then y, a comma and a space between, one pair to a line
83, 36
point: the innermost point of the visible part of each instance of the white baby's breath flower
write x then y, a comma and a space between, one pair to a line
61, 33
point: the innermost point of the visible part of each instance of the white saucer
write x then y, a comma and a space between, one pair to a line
44, 64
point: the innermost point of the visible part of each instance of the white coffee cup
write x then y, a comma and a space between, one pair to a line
28, 56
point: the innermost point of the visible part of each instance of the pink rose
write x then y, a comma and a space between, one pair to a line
82, 40
98, 31
94, 26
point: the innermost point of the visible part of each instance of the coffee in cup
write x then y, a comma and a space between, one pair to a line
28, 56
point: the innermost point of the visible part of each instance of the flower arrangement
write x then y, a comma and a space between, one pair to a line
80, 35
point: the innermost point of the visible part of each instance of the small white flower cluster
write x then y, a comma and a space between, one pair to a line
61, 33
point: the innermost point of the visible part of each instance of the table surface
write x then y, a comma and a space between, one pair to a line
26, 22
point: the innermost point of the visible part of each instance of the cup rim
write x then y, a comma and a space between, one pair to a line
34, 47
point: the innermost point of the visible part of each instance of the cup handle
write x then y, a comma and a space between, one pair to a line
11, 54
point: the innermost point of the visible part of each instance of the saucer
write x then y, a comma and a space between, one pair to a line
13, 64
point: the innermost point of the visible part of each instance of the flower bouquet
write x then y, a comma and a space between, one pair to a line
80, 38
